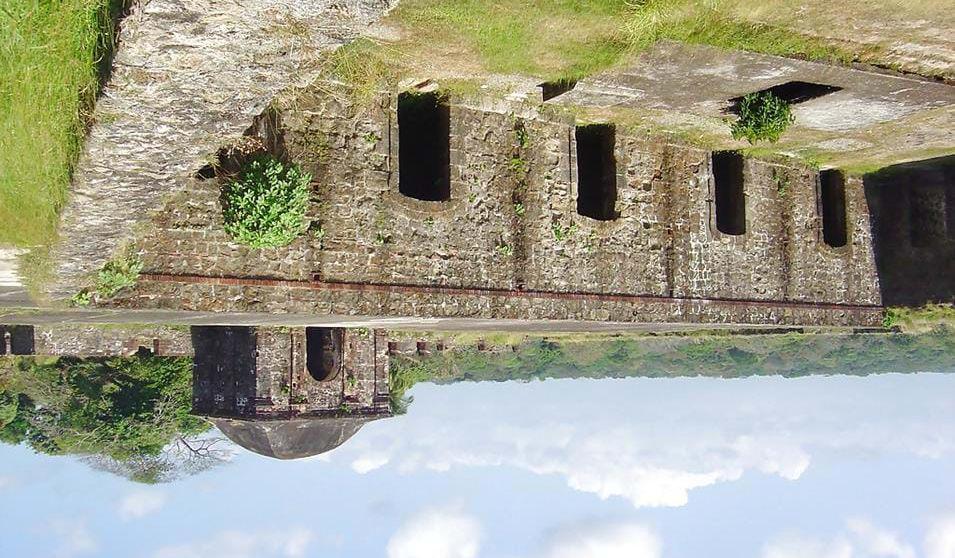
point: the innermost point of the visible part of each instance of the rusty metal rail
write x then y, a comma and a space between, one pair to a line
395, 288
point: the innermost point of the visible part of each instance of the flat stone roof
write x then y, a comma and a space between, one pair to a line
880, 115
701, 80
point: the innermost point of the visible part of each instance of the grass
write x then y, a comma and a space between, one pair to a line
49, 59
458, 40
364, 65
724, 24
570, 39
922, 319
551, 39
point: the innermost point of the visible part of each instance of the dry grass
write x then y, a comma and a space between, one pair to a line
570, 38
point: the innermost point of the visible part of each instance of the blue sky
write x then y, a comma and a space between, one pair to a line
834, 467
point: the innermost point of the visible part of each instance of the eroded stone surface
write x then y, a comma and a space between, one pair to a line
187, 76
874, 118
701, 79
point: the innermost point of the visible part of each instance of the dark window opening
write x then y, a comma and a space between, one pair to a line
950, 211
908, 275
792, 92
424, 147
832, 186
926, 215
323, 352
730, 196
22, 340
224, 369
596, 172
551, 89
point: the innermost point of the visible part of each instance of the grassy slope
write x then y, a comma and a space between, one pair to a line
48, 60
572, 38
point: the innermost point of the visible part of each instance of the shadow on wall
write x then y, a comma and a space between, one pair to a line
224, 371
912, 207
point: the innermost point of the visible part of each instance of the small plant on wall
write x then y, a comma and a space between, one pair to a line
762, 117
265, 205
117, 274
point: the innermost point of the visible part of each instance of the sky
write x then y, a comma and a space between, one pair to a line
767, 467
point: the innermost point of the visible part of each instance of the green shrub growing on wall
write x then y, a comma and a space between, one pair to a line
762, 116
118, 274
265, 206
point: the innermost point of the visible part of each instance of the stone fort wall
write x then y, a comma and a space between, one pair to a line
511, 226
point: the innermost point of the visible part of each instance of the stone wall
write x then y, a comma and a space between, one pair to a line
97, 341
913, 208
511, 225
228, 295
186, 77
274, 382
284, 377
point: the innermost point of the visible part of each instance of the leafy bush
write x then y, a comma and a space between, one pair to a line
265, 206
762, 116
118, 274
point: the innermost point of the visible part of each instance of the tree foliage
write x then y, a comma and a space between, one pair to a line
129, 412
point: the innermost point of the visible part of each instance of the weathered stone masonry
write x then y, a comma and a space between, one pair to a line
262, 373
511, 229
241, 372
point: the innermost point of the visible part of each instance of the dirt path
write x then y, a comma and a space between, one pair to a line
188, 76
9, 267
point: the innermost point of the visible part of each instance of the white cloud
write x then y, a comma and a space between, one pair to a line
74, 538
141, 503
654, 445
437, 533
940, 539
5, 482
861, 539
370, 462
795, 546
624, 540
272, 543
876, 542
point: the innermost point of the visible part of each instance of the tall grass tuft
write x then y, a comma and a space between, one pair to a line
50, 54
